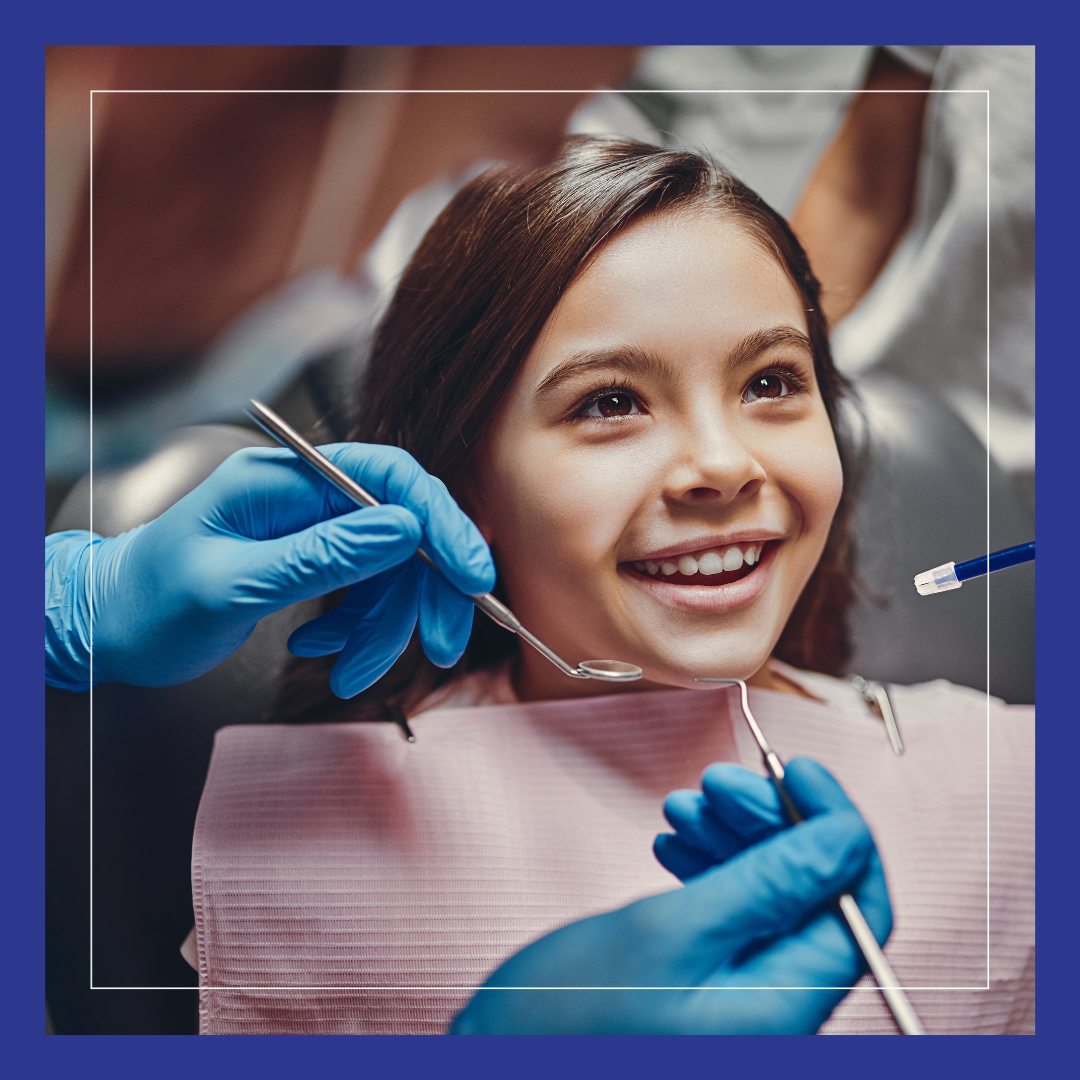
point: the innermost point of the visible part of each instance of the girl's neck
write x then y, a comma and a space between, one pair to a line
770, 677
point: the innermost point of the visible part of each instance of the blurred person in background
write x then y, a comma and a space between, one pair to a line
228, 226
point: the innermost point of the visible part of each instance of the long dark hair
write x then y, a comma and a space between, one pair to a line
469, 306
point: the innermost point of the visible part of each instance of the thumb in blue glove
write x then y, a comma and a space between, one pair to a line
731, 953
171, 599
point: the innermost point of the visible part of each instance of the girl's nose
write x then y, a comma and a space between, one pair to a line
715, 466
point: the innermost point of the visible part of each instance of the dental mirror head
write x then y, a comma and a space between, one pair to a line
610, 670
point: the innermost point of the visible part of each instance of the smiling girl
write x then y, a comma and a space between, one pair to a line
619, 367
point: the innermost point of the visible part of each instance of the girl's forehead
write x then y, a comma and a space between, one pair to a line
677, 283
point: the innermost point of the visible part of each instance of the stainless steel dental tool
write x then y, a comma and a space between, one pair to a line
278, 429
906, 1018
877, 698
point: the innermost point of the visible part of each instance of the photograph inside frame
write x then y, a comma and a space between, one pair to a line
701, 371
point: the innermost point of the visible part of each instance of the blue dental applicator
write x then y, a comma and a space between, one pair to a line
953, 575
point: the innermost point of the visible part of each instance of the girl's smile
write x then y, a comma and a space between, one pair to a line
722, 579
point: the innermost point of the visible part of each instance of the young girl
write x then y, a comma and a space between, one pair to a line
619, 368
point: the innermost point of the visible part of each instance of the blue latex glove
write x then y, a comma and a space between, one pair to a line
758, 919
171, 599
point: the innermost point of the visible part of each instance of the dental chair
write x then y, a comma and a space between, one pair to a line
924, 503
931, 496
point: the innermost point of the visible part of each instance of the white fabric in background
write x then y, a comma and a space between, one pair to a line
771, 141
926, 315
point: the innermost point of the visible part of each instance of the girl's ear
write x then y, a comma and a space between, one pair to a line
485, 529
469, 500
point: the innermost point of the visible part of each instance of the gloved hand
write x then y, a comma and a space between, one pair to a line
758, 919
171, 599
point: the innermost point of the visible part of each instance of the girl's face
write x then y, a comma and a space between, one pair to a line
659, 482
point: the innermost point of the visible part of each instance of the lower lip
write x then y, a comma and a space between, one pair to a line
711, 599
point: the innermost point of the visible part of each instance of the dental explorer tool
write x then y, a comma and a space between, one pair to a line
952, 575
877, 697
906, 1018
278, 429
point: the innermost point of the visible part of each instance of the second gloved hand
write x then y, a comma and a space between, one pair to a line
172, 598
749, 946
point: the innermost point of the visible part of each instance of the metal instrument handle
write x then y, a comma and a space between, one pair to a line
494, 609
906, 1017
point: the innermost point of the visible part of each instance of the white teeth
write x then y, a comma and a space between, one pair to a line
732, 559
710, 563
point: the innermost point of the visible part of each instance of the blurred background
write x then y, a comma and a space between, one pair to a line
244, 245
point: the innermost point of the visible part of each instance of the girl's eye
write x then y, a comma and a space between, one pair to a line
610, 404
767, 386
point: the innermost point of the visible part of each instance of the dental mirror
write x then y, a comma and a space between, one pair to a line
610, 670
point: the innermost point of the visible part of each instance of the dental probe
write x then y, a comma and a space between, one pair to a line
906, 1018
952, 575
498, 612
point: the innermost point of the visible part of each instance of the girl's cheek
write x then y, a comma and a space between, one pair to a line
529, 513
821, 482
809, 468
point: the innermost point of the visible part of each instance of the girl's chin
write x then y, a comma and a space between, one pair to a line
679, 658
659, 676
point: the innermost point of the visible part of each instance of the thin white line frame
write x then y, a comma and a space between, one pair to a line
850, 93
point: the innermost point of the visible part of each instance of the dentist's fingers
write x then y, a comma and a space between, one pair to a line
813, 788
449, 536
767, 890
747, 804
322, 558
446, 619
695, 823
678, 857
329, 632
379, 638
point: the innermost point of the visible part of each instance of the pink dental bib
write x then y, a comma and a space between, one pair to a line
346, 881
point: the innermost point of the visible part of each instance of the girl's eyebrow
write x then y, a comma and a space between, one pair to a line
628, 359
635, 361
756, 343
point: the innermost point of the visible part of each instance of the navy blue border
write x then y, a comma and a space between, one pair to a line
536, 1057
1056, 500
21, 529
496, 22
501, 23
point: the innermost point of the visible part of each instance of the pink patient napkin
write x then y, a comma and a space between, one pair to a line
346, 881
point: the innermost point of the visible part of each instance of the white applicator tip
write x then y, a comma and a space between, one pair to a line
940, 579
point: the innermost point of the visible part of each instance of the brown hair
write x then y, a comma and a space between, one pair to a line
469, 306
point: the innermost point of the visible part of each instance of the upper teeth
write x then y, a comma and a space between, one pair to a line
709, 562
